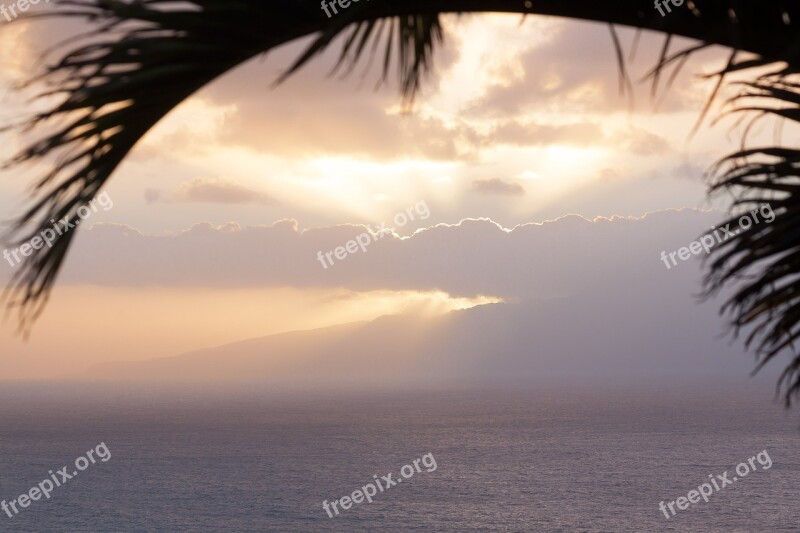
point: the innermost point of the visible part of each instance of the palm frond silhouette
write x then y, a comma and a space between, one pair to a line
145, 57
763, 263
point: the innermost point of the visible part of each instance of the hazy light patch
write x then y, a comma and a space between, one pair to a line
344, 189
364, 190
529, 175
554, 168
438, 303
16, 66
489, 48
138, 324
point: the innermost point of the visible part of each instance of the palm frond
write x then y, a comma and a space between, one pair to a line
145, 58
763, 262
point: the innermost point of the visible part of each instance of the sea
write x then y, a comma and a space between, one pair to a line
539, 459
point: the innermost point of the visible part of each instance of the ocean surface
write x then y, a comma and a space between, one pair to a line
557, 459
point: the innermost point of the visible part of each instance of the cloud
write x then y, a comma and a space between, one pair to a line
471, 258
568, 275
152, 196
312, 115
534, 133
641, 142
219, 191
690, 171
241, 124
575, 70
497, 186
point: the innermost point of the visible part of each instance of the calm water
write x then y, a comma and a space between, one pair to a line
555, 460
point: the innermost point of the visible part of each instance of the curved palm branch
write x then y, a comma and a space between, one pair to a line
126, 79
147, 56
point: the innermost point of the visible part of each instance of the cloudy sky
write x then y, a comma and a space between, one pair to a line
219, 213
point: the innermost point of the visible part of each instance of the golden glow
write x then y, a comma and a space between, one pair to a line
137, 324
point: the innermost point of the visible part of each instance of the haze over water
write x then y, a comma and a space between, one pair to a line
550, 459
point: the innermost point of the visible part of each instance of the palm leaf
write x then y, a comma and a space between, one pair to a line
145, 58
762, 263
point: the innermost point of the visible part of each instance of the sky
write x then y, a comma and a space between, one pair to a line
217, 217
